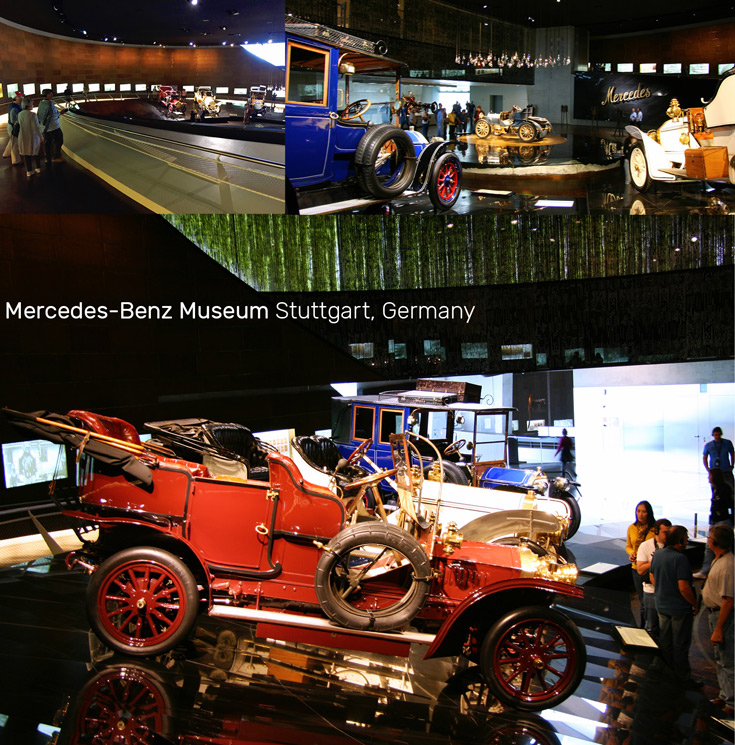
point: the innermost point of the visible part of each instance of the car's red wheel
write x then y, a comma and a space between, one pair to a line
533, 658
446, 181
142, 601
124, 703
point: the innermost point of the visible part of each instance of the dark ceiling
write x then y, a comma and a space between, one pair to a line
603, 17
214, 22
163, 22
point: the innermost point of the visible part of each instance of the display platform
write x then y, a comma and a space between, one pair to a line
577, 170
227, 686
230, 113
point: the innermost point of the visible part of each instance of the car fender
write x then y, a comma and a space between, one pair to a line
720, 111
419, 141
426, 158
656, 156
489, 601
118, 533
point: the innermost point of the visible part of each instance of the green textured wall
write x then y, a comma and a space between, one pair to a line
346, 252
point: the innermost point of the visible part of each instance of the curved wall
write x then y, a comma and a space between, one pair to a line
27, 57
712, 43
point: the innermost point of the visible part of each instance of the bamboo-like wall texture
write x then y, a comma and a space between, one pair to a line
357, 253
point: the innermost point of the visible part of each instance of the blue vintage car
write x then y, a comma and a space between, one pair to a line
335, 137
470, 436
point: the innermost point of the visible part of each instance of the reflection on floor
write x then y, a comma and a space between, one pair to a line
68, 187
226, 686
580, 170
59, 188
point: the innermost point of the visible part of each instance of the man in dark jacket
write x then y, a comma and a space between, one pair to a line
48, 118
676, 603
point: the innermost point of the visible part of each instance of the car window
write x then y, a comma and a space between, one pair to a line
491, 435
364, 417
437, 425
307, 75
391, 423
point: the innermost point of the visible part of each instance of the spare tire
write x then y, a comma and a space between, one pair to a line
373, 577
385, 161
453, 474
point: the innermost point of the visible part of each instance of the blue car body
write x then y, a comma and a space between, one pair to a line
324, 136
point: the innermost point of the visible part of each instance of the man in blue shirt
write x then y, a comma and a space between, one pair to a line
719, 453
676, 603
718, 458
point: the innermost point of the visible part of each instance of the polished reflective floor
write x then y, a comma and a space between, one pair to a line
68, 187
225, 686
579, 170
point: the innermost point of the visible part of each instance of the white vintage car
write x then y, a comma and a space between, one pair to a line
207, 101
498, 515
513, 122
696, 143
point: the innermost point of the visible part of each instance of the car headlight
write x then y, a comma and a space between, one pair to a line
547, 567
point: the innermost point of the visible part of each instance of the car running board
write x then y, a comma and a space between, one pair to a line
316, 624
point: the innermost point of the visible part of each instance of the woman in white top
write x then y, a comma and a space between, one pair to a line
29, 138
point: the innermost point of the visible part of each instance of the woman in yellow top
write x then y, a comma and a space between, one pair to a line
641, 530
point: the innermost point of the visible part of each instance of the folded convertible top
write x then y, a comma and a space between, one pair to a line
61, 430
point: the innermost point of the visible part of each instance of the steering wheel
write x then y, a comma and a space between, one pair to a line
455, 447
371, 480
356, 109
359, 451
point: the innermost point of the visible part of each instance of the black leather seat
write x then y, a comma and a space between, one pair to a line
241, 441
321, 453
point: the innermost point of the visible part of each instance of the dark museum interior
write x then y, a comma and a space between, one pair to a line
292, 455
227, 684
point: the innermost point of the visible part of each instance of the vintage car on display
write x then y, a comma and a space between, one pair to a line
472, 438
330, 139
171, 100
207, 101
175, 541
507, 155
696, 143
257, 100
226, 695
514, 122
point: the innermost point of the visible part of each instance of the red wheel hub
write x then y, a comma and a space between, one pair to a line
122, 707
141, 604
447, 181
535, 659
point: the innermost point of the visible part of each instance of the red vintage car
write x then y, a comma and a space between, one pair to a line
176, 541
171, 100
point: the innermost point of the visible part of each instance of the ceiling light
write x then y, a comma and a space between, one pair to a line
274, 54
194, 2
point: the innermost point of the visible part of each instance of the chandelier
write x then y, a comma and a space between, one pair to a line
545, 47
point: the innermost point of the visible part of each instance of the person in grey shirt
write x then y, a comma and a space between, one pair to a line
717, 597
48, 118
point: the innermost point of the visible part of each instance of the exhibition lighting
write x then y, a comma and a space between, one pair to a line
273, 53
547, 47
345, 389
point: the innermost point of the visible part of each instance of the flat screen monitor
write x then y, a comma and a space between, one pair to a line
32, 462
